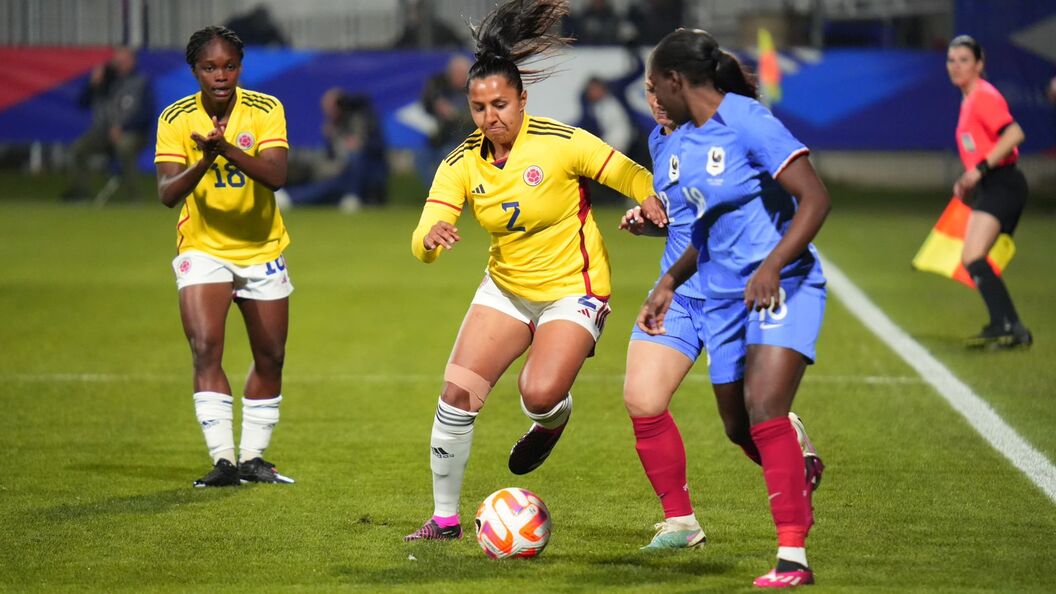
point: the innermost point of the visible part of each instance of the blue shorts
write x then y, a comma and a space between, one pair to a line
684, 324
731, 327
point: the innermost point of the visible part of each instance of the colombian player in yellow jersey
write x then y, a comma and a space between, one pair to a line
222, 153
547, 283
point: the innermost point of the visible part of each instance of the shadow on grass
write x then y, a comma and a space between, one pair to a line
146, 504
139, 471
436, 564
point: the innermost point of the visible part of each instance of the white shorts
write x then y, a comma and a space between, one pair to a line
269, 281
585, 310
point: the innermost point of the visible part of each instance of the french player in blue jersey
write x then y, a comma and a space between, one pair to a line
657, 364
759, 204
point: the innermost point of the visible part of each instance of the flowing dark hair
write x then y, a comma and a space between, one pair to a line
697, 56
514, 33
969, 42
202, 37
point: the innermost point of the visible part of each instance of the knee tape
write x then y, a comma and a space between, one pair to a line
470, 381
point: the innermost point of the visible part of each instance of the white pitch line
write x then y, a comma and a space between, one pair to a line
979, 414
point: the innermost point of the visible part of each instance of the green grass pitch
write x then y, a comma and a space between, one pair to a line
99, 442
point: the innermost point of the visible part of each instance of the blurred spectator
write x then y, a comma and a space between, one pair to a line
654, 19
423, 29
606, 112
444, 98
122, 105
604, 116
1050, 92
355, 171
256, 27
598, 24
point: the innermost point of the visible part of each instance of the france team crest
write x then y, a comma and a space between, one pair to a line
672, 168
716, 160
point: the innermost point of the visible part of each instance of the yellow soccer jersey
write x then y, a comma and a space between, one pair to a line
228, 215
545, 244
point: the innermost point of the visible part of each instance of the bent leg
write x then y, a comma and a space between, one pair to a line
980, 235
488, 342
730, 400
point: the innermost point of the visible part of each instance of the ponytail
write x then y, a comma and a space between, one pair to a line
514, 33
697, 56
732, 77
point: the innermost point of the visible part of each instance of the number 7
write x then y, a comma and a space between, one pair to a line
516, 206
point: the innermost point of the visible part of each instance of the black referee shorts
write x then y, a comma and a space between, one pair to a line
1003, 193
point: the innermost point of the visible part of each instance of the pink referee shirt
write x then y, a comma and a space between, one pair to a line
984, 112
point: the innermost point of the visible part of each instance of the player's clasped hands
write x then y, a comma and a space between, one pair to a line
442, 233
213, 143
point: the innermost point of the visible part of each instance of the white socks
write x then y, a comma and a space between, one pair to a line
553, 418
689, 521
213, 410
449, 446
215, 415
797, 554
259, 417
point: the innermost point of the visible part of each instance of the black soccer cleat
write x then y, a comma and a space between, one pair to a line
223, 474
432, 531
534, 448
1009, 335
259, 470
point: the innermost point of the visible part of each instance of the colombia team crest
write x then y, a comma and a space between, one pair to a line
533, 176
245, 140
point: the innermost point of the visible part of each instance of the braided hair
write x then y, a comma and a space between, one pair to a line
202, 37
514, 33
697, 56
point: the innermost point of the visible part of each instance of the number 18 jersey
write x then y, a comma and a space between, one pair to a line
228, 214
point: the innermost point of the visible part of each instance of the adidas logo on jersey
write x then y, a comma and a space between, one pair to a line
479, 189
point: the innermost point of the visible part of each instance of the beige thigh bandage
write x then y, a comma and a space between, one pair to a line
470, 381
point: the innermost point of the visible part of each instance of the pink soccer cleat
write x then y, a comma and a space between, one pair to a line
784, 579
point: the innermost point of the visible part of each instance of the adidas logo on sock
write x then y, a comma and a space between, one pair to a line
441, 453
479, 189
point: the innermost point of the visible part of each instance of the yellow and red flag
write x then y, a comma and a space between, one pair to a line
941, 252
769, 68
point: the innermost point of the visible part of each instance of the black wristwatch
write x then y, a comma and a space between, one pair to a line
983, 168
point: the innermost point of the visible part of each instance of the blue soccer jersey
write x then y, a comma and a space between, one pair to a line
728, 170
664, 149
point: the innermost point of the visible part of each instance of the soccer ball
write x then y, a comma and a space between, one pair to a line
513, 522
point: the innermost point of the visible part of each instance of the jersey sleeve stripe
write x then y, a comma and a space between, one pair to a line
156, 155
792, 157
179, 104
605, 164
261, 98
547, 126
558, 134
263, 142
434, 200
177, 112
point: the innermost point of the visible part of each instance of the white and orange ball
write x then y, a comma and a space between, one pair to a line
513, 522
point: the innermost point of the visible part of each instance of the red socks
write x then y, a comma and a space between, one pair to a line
663, 455
785, 480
